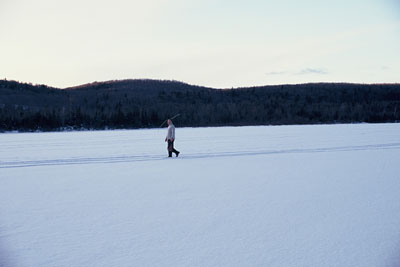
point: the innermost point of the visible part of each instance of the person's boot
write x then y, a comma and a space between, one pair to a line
169, 154
177, 153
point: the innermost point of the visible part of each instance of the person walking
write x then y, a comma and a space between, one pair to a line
170, 138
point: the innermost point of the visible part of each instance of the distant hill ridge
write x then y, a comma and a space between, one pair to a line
146, 103
136, 83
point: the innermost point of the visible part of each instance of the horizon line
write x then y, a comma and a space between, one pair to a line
195, 85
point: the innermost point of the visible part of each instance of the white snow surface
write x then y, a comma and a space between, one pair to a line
326, 195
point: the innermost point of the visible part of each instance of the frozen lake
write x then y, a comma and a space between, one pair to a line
324, 195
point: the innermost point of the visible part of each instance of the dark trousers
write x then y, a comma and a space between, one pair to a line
171, 148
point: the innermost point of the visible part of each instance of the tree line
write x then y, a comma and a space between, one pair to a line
147, 103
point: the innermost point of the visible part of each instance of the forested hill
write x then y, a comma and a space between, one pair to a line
147, 103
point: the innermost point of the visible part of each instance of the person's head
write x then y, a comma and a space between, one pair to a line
169, 122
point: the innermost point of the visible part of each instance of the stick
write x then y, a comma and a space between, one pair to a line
170, 119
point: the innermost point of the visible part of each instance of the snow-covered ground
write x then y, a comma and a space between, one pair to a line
326, 195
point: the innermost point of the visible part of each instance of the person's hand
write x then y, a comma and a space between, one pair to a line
172, 139
165, 140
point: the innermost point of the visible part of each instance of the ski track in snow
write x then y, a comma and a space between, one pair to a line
134, 158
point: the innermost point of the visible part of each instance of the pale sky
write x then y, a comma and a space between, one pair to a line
219, 43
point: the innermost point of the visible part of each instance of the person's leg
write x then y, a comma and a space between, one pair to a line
170, 148
174, 150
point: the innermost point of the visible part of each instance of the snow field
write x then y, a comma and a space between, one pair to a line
237, 196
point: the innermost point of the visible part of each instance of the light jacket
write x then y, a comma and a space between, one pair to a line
171, 132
